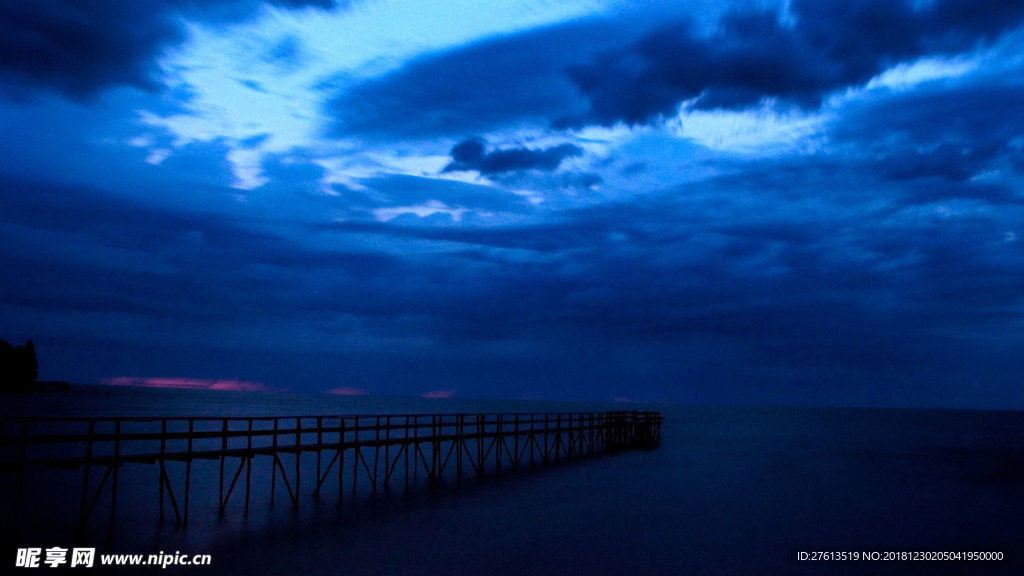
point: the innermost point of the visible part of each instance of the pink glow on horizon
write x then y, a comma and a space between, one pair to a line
347, 391
439, 393
188, 383
622, 400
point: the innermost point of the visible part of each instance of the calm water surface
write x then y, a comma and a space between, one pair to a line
732, 490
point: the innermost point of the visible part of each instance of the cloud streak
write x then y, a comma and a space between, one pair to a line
818, 49
81, 48
439, 394
188, 383
472, 155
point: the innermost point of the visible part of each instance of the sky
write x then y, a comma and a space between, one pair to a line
796, 202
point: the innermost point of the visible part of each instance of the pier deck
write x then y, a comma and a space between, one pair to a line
377, 447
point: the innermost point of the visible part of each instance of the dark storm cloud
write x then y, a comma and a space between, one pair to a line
604, 72
129, 258
1017, 161
539, 238
752, 56
947, 161
887, 257
976, 111
844, 294
747, 274
497, 82
82, 47
942, 132
582, 180
472, 155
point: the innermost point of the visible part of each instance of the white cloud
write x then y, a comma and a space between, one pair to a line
428, 208
238, 90
156, 156
761, 131
905, 76
246, 166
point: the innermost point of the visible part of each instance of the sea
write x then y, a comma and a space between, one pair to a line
731, 490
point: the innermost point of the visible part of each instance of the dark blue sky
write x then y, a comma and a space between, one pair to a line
794, 202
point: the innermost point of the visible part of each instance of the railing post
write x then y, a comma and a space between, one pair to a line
376, 452
435, 448
460, 444
319, 448
356, 455
223, 447
416, 449
499, 439
387, 449
273, 467
298, 454
515, 442
248, 467
341, 459
85, 476
163, 448
117, 469
188, 467
407, 446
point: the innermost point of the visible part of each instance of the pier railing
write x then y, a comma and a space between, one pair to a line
378, 449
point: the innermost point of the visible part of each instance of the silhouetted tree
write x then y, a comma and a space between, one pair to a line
31, 362
19, 367
6, 366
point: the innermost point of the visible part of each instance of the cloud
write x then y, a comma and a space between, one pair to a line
287, 54
504, 81
322, 4
135, 265
825, 47
943, 132
347, 391
783, 268
81, 48
450, 393
867, 254
393, 195
628, 70
189, 383
472, 155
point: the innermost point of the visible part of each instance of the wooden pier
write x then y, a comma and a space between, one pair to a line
381, 450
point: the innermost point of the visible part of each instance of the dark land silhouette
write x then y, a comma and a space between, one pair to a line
19, 368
